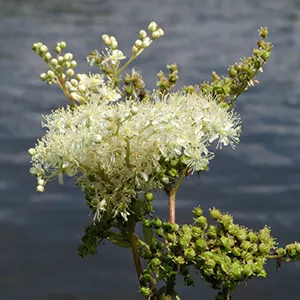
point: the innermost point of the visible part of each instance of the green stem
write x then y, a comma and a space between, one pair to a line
170, 287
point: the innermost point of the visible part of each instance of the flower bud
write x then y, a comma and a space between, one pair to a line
236, 271
179, 260
145, 291
232, 72
156, 223
215, 213
171, 237
74, 82
241, 234
200, 245
210, 263
201, 222
73, 64
197, 232
114, 45
44, 76
32, 151
236, 251
155, 262
226, 220
152, 26
155, 35
58, 50
70, 72
252, 237
68, 56
43, 49
246, 256
54, 62
149, 197
135, 50
247, 270
143, 34
189, 253
263, 32
138, 44
62, 45
245, 245
281, 252
146, 277
47, 56
41, 181
146, 42
51, 74
212, 232
40, 188
264, 248
161, 32
197, 212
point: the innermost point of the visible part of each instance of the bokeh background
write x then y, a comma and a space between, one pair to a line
259, 182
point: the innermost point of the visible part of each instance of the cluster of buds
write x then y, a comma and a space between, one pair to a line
166, 83
144, 41
61, 67
225, 254
240, 75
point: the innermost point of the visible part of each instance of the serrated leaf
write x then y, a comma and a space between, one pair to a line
119, 239
148, 234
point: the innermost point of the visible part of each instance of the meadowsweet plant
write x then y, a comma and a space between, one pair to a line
121, 143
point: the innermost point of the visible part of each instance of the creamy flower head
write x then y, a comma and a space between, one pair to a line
121, 145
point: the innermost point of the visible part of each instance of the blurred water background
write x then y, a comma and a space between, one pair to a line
259, 182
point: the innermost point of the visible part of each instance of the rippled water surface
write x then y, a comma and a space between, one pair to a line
259, 182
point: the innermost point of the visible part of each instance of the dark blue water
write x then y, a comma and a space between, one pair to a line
259, 182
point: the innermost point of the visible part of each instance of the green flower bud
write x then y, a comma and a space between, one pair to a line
246, 256
134, 50
189, 253
264, 248
232, 72
160, 232
201, 222
212, 232
155, 262
145, 291
236, 251
262, 273
70, 72
58, 50
264, 235
155, 35
226, 220
265, 55
226, 243
185, 240
173, 173
253, 248
245, 245
215, 213
156, 223
146, 277
241, 234
147, 223
236, 271
175, 227
152, 26
62, 45
197, 232
44, 76
43, 49
114, 45
281, 252
263, 32
247, 270
200, 245
233, 229
50, 74
258, 266
197, 212
291, 250
171, 237
160, 31
143, 34
210, 263
160, 246
252, 236
47, 56
179, 260
73, 64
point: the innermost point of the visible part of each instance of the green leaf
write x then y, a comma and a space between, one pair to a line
119, 239
148, 234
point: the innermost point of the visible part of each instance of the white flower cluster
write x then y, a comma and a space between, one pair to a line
91, 87
117, 147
